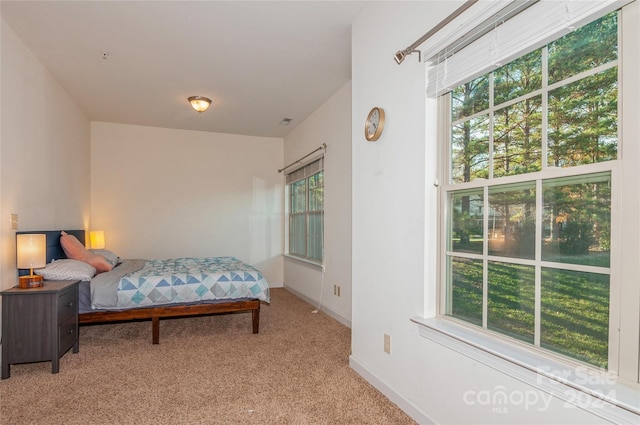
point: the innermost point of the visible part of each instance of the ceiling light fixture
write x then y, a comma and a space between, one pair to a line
286, 121
200, 103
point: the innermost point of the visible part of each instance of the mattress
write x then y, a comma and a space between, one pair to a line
147, 283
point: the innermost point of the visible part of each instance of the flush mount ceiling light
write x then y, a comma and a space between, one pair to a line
199, 103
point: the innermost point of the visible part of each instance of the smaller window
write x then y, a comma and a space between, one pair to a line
306, 211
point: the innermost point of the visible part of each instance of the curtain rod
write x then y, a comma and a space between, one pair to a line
323, 146
486, 26
401, 54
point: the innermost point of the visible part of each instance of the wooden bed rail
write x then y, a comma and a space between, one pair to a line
156, 313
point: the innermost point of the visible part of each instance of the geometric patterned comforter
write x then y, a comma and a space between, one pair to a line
155, 282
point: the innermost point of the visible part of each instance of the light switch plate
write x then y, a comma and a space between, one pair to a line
13, 219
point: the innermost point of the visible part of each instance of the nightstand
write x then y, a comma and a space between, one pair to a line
39, 324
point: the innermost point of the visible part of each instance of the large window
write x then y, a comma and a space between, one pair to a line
532, 153
306, 211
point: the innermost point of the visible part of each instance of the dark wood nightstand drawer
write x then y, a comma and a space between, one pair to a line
67, 304
67, 335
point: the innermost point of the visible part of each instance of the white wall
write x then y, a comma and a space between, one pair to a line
163, 193
44, 152
330, 124
394, 247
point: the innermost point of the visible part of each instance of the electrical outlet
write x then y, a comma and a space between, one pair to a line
387, 344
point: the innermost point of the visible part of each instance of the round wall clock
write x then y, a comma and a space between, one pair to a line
374, 124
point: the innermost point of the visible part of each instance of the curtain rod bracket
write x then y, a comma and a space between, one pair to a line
401, 54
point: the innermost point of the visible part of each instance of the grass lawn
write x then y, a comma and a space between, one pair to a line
574, 306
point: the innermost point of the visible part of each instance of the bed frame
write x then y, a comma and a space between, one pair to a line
55, 252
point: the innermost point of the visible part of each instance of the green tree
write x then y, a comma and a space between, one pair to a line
583, 114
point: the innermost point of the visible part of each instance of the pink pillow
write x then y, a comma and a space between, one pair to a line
74, 249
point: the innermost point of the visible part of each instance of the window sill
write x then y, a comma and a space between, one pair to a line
320, 266
578, 386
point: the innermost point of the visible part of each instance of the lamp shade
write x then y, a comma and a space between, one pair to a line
97, 239
31, 251
199, 103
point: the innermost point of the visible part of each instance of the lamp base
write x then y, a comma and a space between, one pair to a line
30, 281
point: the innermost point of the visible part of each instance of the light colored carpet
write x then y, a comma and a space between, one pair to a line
206, 370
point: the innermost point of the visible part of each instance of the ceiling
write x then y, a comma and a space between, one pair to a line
136, 62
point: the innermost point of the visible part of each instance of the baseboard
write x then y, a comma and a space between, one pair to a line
276, 285
404, 404
322, 308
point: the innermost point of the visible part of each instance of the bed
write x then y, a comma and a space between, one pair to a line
139, 289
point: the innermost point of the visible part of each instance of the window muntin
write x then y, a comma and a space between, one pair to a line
306, 212
547, 237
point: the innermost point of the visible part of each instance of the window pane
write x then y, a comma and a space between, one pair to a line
583, 119
299, 196
512, 220
518, 138
517, 78
470, 98
316, 192
587, 47
577, 220
297, 239
315, 236
465, 289
466, 232
575, 314
511, 300
470, 150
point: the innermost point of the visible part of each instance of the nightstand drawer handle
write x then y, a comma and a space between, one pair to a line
70, 331
70, 304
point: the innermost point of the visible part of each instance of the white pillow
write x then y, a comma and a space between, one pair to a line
67, 269
108, 255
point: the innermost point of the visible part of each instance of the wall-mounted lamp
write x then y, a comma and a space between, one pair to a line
200, 103
31, 250
96, 237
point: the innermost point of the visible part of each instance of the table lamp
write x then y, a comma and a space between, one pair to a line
32, 254
97, 239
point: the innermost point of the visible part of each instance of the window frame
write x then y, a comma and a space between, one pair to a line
624, 362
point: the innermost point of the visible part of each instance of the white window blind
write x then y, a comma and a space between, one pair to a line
539, 24
305, 171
